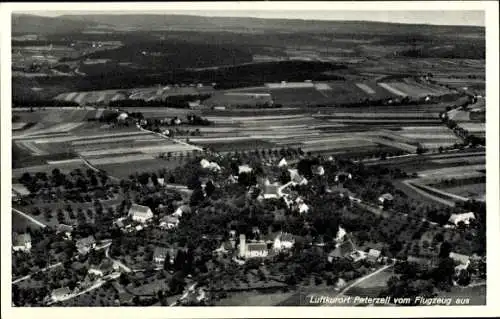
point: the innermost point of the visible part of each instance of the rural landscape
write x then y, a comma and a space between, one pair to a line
175, 160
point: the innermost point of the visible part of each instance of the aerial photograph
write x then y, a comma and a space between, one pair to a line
177, 159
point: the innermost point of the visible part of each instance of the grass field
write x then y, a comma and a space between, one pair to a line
125, 169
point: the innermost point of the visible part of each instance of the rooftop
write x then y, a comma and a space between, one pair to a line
135, 208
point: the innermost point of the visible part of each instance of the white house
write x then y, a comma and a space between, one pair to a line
465, 218
210, 165
303, 208
181, 210
283, 241
340, 235
140, 213
22, 242
244, 169
385, 198
296, 178
282, 163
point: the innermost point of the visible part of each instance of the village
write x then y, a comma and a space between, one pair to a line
229, 226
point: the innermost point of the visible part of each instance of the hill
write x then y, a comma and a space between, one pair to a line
24, 24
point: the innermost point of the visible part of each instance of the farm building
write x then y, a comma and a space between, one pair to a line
22, 242
140, 213
465, 218
303, 208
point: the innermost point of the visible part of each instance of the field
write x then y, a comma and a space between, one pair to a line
125, 169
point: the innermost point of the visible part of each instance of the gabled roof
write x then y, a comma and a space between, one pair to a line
135, 208
374, 253
459, 257
465, 217
343, 249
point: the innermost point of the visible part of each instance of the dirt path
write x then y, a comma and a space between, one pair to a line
31, 219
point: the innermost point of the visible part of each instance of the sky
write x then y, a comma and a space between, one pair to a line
473, 18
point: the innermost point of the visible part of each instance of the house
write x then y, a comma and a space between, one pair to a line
282, 163
385, 198
465, 218
252, 250
373, 255
244, 169
60, 294
296, 178
283, 241
271, 191
20, 190
84, 245
303, 208
460, 258
342, 176
319, 170
66, 230
22, 242
181, 210
122, 117
140, 213
169, 222
357, 255
160, 253
210, 165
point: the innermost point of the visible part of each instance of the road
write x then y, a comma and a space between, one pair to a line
426, 194
360, 280
96, 285
173, 139
95, 169
41, 270
34, 221
119, 263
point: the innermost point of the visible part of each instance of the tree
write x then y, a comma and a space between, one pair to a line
209, 188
